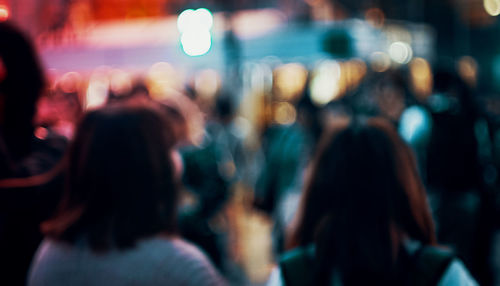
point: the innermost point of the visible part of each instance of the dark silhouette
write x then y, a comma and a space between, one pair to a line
120, 184
364, 200
117, 219
461, 201
29, 183
20, 87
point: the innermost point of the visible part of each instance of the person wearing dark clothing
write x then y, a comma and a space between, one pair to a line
30, 180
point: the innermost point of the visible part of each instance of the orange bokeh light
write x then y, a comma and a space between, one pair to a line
4, 13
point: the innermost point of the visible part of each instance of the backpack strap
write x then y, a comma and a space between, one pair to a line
430, 264
297, 266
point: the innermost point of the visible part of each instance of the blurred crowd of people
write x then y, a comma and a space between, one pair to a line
380, 185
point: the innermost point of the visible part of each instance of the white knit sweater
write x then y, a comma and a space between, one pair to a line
154, 261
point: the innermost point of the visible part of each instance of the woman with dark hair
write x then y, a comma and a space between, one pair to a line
116, 222
364, 217
21, 83
29, 165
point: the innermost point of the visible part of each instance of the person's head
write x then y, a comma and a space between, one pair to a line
120, 183
21, 82
363, 197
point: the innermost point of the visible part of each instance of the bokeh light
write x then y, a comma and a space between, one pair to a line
285, 113
400, 52
467, 69
290, 81
421, 77
194, 27
207, 84
70, 82
196, 43
98, 88
4, 13
324, 85
415, 124
120, 82
492, 7
97, 93
184, 19
194, 19
162, 78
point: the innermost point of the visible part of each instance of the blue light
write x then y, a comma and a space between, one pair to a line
415, 124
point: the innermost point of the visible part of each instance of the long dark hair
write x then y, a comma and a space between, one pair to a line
364, 195
120, 182
20, 88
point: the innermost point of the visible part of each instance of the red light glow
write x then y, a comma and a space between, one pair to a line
4, 13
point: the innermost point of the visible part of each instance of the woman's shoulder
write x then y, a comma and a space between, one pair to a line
165, 260
183, 261
172, 247
456, 274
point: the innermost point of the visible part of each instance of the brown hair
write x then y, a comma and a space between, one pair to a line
120, 181
363, 196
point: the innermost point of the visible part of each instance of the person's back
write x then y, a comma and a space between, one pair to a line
116, 224
365, 216
154, 261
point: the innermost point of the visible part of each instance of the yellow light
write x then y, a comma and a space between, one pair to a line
325, 83
421, 77
492, 7
467, 69
207, 84
4, 13
285, 113
290, 80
